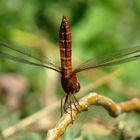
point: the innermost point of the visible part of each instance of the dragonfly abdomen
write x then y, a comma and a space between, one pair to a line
65, 48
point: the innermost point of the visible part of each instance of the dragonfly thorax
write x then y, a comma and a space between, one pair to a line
70, 84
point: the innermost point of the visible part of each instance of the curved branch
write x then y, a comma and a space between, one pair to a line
113, 109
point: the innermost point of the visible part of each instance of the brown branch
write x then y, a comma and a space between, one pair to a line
113, 109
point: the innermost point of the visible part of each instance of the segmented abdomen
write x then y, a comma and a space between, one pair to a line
65, 48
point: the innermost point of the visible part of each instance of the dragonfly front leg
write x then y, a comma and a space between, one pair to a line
75, 102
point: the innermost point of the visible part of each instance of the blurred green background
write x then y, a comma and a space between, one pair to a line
97, 27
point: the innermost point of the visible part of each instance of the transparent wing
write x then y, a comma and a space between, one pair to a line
116, 58
45, 62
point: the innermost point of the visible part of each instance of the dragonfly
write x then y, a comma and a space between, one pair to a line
69, 79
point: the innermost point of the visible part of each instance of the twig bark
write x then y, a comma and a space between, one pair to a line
113, 109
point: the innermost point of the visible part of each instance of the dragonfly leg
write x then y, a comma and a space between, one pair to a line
66, 103
70, 100
75, 102
62, 98
70, 105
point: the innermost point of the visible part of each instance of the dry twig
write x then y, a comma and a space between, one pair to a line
113, 109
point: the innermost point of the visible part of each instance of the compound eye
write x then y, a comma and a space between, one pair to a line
78, 87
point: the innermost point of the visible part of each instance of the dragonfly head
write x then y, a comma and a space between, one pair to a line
77, 87
70, 84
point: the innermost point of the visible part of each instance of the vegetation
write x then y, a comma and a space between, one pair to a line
97, 27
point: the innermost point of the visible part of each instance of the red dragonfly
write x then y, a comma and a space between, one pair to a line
69, 80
